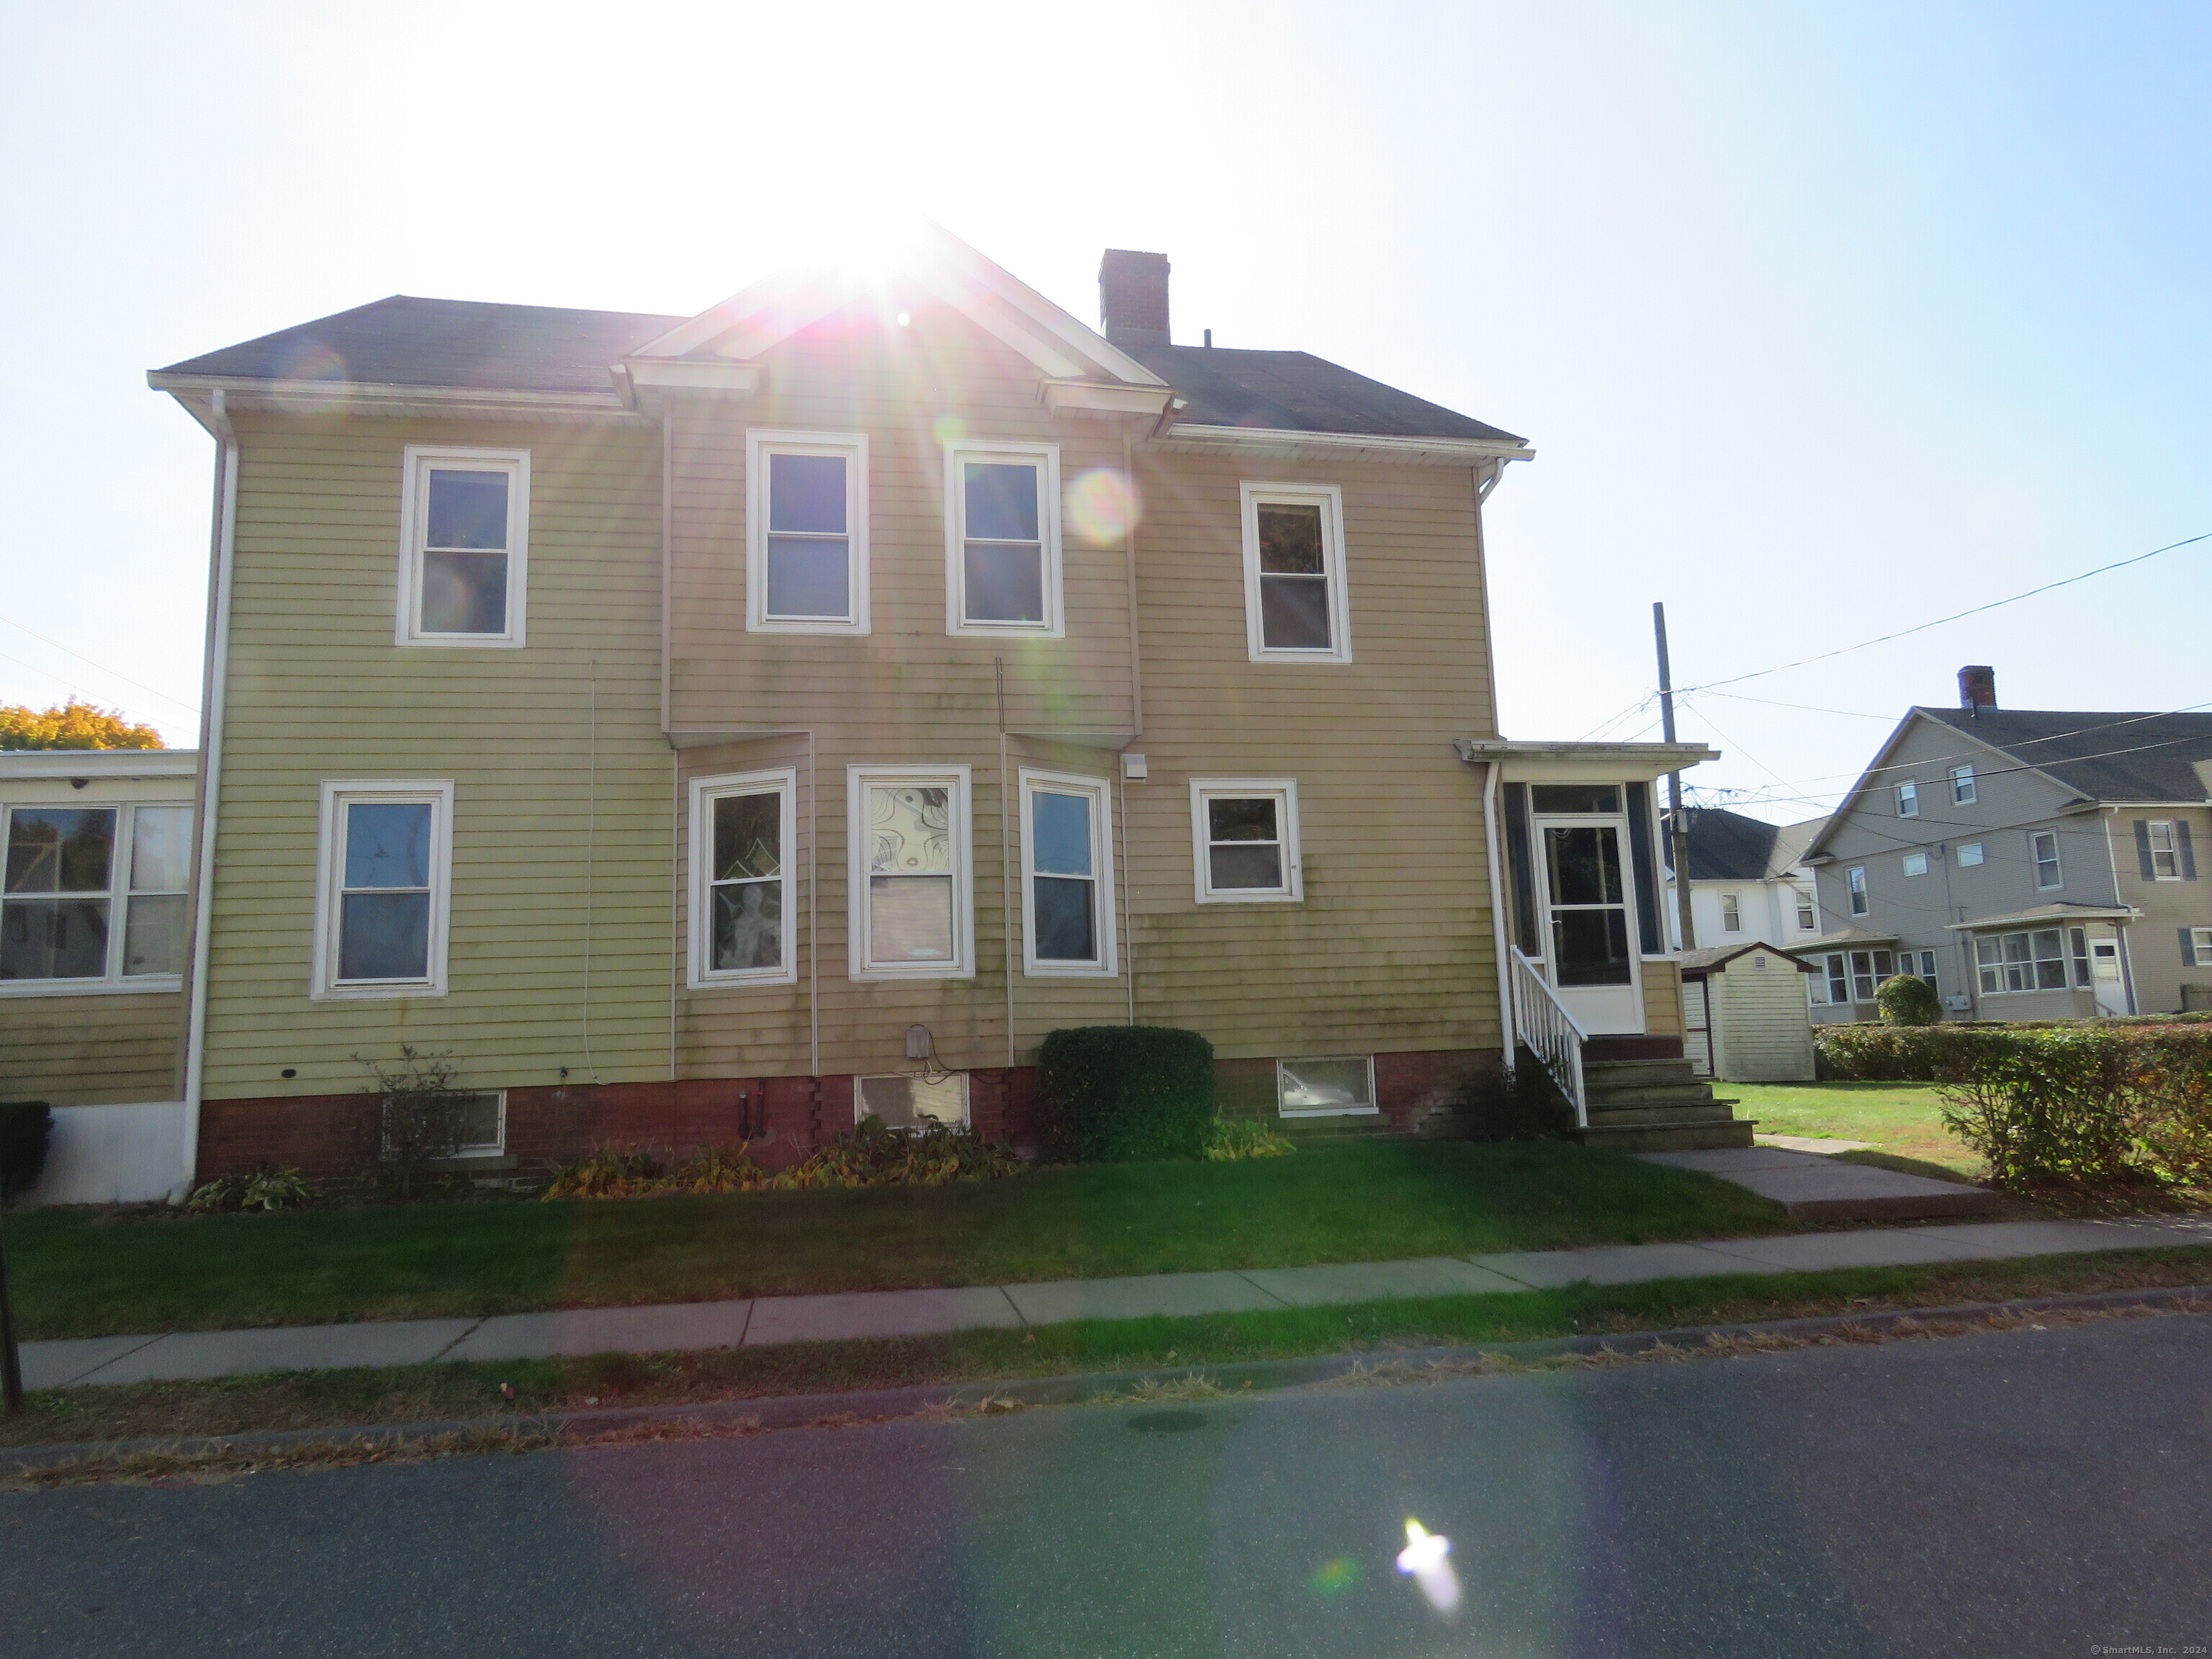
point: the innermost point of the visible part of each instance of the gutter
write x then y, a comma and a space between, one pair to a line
214, 681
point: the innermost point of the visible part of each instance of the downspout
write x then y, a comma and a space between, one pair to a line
1509, 1026
215, 678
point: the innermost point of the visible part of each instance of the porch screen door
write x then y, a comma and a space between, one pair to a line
1593, 962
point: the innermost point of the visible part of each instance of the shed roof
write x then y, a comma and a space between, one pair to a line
1715, 959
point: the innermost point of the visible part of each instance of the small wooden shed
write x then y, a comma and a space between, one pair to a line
1749, 1020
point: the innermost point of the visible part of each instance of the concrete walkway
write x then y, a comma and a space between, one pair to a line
1819, 1186
763, 1320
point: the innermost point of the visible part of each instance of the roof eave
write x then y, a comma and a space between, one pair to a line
243, 392
1435, 451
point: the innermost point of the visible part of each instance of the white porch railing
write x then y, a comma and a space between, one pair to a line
1542, 1023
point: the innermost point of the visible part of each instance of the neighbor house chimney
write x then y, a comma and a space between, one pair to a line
1132, 297
1977, 686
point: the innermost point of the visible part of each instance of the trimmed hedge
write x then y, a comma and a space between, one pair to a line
1122, 1094
26, 1130
1949, 1052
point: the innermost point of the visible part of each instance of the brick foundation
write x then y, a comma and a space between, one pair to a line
781, 1119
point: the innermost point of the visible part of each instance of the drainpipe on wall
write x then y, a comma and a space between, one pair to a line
1492, 773
214, 680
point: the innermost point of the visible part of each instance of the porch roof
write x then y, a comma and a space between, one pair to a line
1850, 938
2050, 913
1525, 760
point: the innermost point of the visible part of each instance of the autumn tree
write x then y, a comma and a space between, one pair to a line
73, 725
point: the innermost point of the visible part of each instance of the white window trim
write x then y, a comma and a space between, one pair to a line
1965, 788
1857, 900
2035, 861
2171, 849
705, 792
956, 778
1731, 906
1905, 864
760, 444
113, 981
1101, 856
413, 520
1980, 851
1286, 791
336, 794
860, 1097
1330, 499
1047, 458
2079, 975
1908, 800
491, 1148
1372, 1108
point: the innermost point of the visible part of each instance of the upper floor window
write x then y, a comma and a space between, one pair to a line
806, 531
94, 897
464, 535
1731, 913
1855, 881
2164, 850
1973, 852
1962, 785
1067, 927
1002, 538
1808, 917
1295, 608
912, 914
741, 907
1916, 864
2043, 846
1908, 800
1245, 837
385, 882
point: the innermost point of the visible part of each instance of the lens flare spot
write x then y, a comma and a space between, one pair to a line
1426, 1560
1103, 507
948, 429
306, 366
1334, 1577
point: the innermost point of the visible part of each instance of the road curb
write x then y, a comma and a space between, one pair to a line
881, 1405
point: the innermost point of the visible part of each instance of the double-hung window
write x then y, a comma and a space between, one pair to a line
464, 543
1855, 880
1731, 913
2043, 845
1002, 538
1809, 917
1908, 800
1963, 793
912, 908
1853, 976
1245, 840
742, 906
1295, 604
806, 532
386, 880
2036, 961
2164, 849
94, 897
1067, 927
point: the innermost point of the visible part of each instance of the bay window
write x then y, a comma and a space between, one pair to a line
2040, 959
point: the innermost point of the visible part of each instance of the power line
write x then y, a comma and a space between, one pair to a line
190, 706
1922, 628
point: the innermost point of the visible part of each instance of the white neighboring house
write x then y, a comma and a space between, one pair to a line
1747, 884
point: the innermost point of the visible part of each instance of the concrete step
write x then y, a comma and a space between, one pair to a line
1679, 1135
1648, 1095
1707, 1111
1639, 1070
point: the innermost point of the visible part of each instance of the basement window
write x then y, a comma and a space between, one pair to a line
911, 1100
1336, 1086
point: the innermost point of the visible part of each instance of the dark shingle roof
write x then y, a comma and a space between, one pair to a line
1726, 846
1298, 391
2123, 756
405, 341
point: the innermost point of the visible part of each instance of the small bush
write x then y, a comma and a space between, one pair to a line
1118, 1094
26, 1130
871, 1155
609, 1172
420, 1121
1231, 1139
1908, 999
266, 1188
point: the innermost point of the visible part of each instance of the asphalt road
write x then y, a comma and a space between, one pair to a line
2003, 1495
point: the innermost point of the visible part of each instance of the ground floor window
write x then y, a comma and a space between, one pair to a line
1337, 1083
742, 907
387, 870
1067, 859
912, 915
2039, 960
1853, 976
912, 1100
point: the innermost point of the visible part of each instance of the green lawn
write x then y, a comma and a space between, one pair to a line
81, 1274
1899, 1118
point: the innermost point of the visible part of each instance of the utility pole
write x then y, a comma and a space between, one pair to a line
1678, 836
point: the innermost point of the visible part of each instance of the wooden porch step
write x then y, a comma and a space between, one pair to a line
1708, 1110
1676, 1135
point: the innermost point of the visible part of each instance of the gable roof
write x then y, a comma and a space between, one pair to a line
1298, 391
2106, 757
1696, 964
1726, 846
403, 340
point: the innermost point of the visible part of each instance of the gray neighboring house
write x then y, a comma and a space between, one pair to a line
2034, 864
1748, 883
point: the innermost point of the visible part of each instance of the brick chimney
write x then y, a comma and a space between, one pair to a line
1977, 686
1132, 297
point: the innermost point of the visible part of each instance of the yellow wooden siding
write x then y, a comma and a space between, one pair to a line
1662, 1000
102, 1050
554, 749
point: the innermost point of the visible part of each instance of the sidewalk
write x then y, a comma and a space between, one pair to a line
764, 1321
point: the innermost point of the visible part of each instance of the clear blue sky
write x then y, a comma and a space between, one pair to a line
1825, 319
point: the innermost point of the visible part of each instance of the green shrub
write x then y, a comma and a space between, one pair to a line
266, 1188
1902, 1053
1233, 1139
1117, 1094
871, 1155
26, 1129
1908, 999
